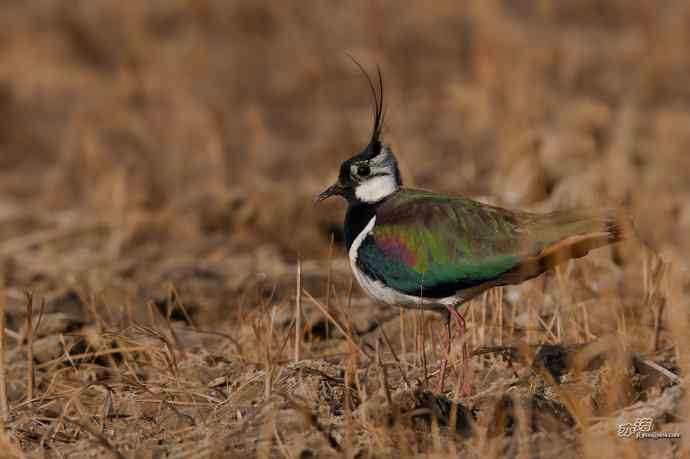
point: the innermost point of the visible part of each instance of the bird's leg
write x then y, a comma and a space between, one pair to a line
466, 373
446, 350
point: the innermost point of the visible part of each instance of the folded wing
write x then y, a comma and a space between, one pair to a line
433, 246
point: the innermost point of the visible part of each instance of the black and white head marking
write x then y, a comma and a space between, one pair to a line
377, 177
373, 174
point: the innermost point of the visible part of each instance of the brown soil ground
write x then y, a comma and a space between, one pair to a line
158, 162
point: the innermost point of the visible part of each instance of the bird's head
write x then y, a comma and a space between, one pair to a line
372, 174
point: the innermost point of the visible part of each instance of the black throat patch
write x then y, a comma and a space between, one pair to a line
358, 215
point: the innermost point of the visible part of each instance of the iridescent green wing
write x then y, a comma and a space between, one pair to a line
436, 245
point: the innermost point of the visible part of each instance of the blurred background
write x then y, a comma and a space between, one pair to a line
144, 141
164, 155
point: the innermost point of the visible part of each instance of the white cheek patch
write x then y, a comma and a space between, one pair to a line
376, 188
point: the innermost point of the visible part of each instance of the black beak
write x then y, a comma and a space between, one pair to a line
331, 191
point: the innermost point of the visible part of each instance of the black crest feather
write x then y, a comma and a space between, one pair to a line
379, 109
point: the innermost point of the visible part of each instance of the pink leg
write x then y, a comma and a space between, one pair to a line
444, 361
466, 373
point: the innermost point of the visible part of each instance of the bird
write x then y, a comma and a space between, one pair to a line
419, 249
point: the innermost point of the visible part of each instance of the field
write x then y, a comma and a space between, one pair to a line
158, 165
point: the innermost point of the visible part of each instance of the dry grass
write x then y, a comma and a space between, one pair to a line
157, 167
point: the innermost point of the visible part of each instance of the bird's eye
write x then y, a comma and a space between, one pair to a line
363, 170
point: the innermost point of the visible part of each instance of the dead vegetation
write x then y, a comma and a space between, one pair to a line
158, 161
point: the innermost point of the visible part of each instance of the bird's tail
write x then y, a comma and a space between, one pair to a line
570, 234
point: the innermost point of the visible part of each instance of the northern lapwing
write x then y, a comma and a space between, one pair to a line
420, 249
